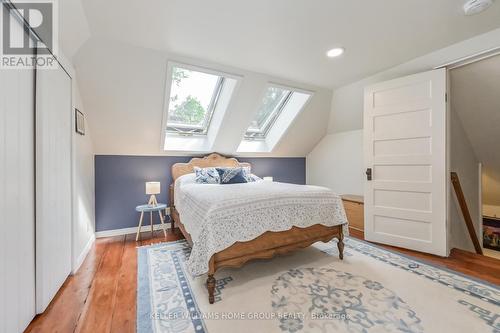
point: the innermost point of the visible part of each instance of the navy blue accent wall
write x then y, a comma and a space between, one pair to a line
119, 183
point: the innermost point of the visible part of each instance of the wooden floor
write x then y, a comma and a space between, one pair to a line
101, 297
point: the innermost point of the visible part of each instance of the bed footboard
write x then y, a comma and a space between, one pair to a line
269, 245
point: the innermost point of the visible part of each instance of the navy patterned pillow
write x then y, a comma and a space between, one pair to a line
252, 178
232, 175
206, 175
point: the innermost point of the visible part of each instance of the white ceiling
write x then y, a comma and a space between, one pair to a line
475, 96
120, 48
289, 38
73, 26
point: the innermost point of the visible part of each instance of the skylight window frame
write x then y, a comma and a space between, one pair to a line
195, 143
297, 103
261, 135
193, 130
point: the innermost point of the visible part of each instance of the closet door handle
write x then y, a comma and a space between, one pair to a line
369, 174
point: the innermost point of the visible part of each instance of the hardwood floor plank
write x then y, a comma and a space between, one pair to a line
158, 237
471, 257
98, 310
63, 312
124, 313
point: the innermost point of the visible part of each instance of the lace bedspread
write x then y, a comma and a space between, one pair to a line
217, 216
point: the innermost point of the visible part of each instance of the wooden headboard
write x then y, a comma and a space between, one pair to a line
212, 160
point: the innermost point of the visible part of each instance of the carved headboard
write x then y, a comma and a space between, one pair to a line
212, 160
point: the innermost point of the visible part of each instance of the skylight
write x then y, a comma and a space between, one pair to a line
193, 98
274, 102
277, 111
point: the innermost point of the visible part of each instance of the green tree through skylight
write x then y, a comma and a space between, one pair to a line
192, 100
190, 111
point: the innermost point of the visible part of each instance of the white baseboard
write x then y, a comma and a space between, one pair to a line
126, 231
83, 255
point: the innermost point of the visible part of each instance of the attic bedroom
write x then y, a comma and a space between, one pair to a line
263, 166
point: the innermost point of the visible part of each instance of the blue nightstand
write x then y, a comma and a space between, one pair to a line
151, 209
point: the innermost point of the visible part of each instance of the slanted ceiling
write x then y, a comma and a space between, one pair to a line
475, 96
120, 49
123, 88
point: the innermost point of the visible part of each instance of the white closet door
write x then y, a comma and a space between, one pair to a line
405, 146
53, 197
17, 204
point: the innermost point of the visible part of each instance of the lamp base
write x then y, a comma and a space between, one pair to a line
152, 201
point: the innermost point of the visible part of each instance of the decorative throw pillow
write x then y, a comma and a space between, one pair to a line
252, 178
232, 175
248, 174
206, 175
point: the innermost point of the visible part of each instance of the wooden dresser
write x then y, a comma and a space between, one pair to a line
354, 208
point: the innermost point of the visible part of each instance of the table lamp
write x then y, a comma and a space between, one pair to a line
153, 188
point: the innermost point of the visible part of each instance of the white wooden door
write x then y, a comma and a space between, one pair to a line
53, 191
405, 147
17, 200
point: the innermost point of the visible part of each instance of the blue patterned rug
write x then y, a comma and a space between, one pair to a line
311, 290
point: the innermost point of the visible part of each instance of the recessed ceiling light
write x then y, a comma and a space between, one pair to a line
335, 52
472, 7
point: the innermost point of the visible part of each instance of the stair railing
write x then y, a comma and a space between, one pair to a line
465, 212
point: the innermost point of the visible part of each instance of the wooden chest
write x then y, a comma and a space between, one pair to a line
354, 208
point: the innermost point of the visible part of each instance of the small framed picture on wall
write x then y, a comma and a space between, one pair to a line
79, 122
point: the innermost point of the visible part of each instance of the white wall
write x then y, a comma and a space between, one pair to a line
491, 194
491, 185
83, 193
337, 163
464, 162
476, 100
492, 211
83, 188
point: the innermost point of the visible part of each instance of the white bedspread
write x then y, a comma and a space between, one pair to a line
217, 216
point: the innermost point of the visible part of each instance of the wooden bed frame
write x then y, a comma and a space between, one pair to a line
266, 245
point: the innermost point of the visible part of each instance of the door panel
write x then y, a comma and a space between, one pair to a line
405, 145
398, 147
53, 157
17, 201
417, 201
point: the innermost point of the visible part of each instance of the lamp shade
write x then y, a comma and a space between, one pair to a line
153, 188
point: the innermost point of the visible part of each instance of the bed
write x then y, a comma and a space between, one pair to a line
228, 225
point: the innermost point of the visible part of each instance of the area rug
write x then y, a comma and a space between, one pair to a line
312, 290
